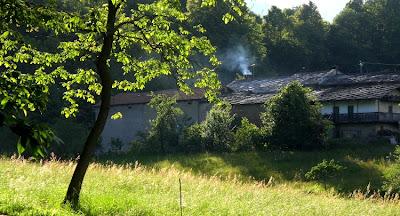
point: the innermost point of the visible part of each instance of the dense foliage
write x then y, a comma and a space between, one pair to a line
299, 40
292, 119
295, 39
324, 170
171, 132
218, 132
92, 38
247, 137
166, 127
392, 177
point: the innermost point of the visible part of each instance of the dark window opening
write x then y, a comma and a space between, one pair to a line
335, 112
350, 111
390, 109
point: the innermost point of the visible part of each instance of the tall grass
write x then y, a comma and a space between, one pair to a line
365, 166
37, 189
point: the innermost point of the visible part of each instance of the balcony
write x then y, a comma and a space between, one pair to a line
364, 118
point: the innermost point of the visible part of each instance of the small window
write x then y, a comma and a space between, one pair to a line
350, 111
390, 109
335, 113
335, 110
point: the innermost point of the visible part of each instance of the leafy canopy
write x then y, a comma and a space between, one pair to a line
158, 30
293, 120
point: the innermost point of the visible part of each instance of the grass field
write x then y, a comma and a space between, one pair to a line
152, 189
365, 165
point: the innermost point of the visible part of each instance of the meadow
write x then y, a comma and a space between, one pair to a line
212, 184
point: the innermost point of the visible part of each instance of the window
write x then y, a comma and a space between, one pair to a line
350, 111
390, 109
335, 112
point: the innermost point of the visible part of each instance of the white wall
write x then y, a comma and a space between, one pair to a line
136, 119
359, 107
384, 106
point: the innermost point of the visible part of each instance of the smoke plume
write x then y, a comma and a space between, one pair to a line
237, 59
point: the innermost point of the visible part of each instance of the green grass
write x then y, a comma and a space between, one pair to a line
365, 165
153, 189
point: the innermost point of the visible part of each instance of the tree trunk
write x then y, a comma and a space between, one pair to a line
75, 185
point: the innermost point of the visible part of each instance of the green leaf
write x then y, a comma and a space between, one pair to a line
116, 116
20, 147
4, 101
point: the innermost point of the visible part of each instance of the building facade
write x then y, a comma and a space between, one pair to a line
359, 105
137, 115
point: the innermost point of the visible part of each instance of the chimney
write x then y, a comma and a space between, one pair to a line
248, 77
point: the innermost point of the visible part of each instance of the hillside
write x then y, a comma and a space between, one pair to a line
32, 189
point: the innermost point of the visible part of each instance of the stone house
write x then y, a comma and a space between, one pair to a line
137, 115
360, 105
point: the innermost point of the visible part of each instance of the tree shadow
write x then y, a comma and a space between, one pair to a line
361, 165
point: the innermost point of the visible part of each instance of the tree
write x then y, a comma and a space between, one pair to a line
349, 37
293, 120
295, 39
160, 30
217, 128
247, 136
244, 33
365, 31
167, 126
22, 92
106, 34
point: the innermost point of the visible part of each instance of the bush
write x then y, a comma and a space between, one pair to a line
116, 145
217, 128
391, 183
293, 120
392, 177
324, 170
166, 127
192, 139
247, 136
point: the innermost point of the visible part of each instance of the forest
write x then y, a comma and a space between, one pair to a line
287, 41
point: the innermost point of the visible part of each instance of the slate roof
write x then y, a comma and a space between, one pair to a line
243, 98
364, 92
321, 79
145, 97
328, 86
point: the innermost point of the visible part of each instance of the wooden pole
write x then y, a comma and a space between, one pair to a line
180, 196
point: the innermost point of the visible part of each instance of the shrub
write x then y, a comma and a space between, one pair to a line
293, 120
116, 144
392, 176
217, 128
324, 170
192, 139
391, 183
247, 136
166, 127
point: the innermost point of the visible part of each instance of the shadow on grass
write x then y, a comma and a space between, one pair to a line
362, 164
115, 211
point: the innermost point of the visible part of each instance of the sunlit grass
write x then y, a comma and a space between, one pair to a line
34, 189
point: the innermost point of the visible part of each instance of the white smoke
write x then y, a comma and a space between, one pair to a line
237, 59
